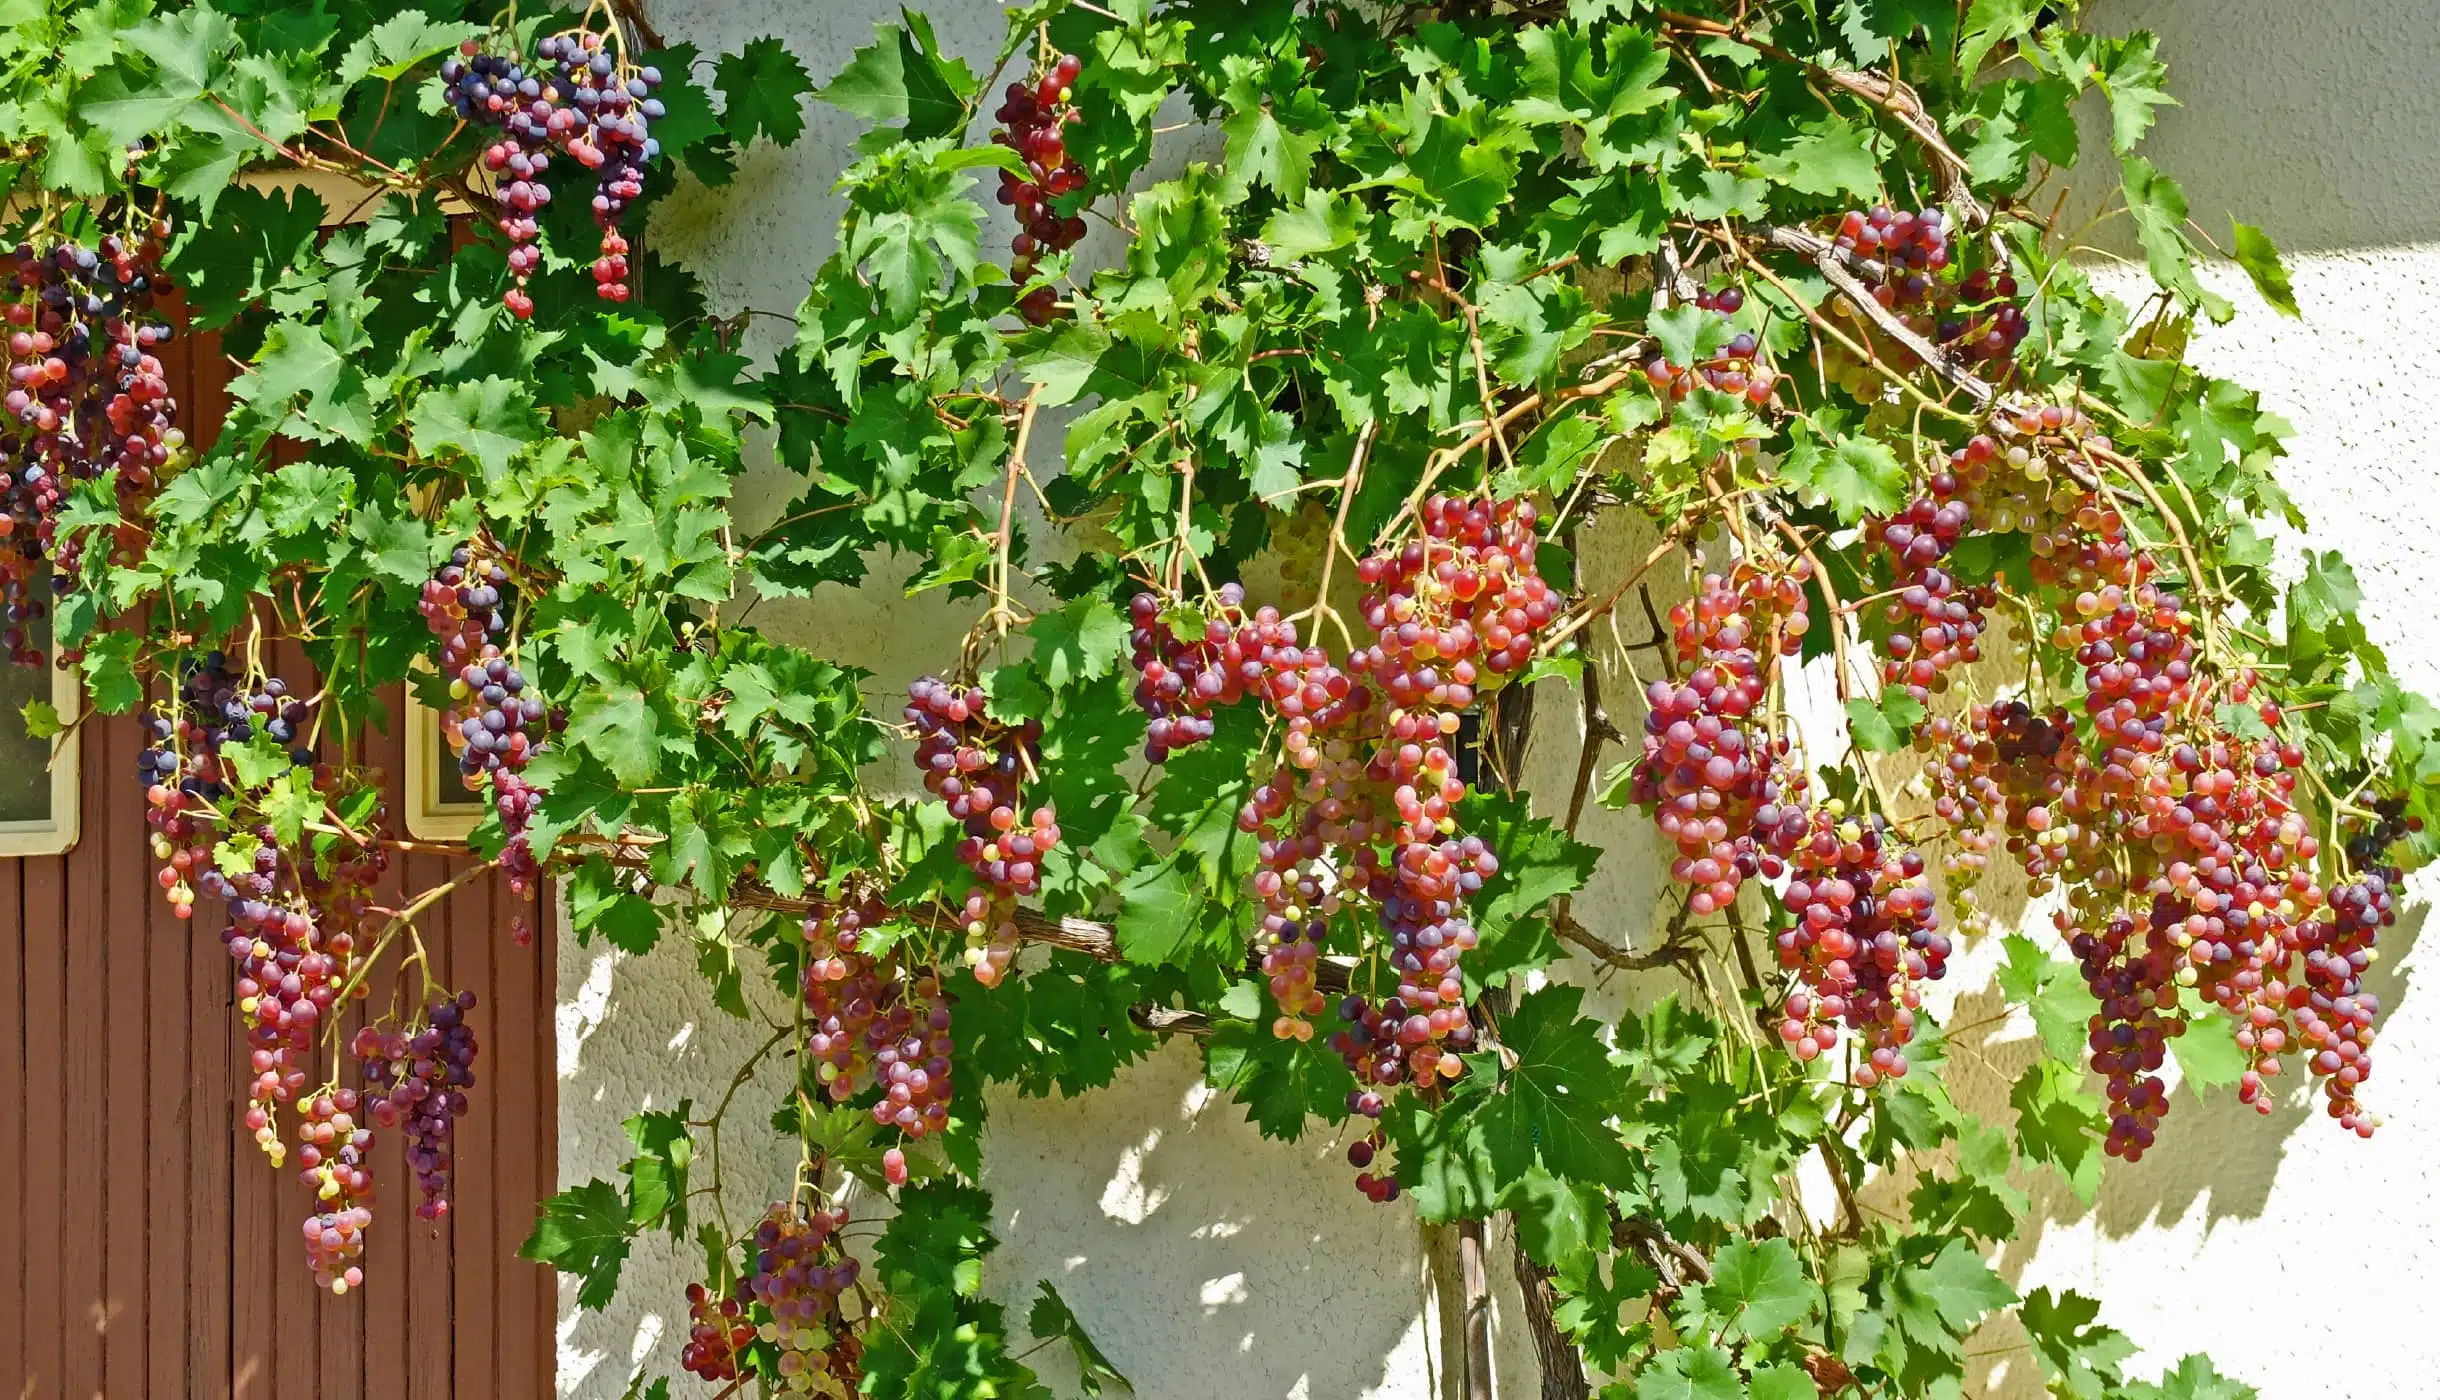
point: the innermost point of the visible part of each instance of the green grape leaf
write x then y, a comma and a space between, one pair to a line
2079, 1357
1281, 1083
1080, 642
1690, 1373
2128, 71
2260, 259
2158, 207
1556, 1099
585, 1231
1827, 156
656, 1174
1989, 24
1757, 1290
761, 88
2052, 992
2059, 1124
1856, 476
1053, 1320
899, 79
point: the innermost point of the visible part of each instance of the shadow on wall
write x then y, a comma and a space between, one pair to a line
2313, 121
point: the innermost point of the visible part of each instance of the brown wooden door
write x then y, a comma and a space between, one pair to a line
147, 1248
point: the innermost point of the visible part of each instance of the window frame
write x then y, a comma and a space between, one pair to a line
433, 813
56, 834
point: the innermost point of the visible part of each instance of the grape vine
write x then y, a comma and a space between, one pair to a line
1693, 404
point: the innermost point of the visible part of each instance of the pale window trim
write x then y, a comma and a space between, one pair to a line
57, 833
439, 808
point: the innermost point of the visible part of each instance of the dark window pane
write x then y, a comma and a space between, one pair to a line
25, 784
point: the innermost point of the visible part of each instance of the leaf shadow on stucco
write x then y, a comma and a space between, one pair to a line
1194, 1284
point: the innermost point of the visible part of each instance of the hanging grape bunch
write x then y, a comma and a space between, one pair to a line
800, 1271
331, 1154
1359, 804
1736, 369
979, 767
86, 396
717, 1335
1030, 120
419, 1078
580, 100
875, 1024
495, 720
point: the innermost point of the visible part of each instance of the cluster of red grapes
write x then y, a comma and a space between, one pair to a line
1864, 937
1735, 370
979, 768
874, 1026
419, 1078
2333, 1011
2185, 859
1719, 784
86, 395
289, 968
1912, 249
1178, 681
1379, 1188
1361, 805
800, 1270
495, 722
332, 1153
1975, 316
1030, 121
579, 100
717, 1334
1936, 624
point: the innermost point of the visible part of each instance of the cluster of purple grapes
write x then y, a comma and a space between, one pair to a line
1735, 370
1911, 248
979, 767
1031, 118
1362, 803
86, 394
495, 722
608, 129
800, 1270
1178, 681
2130, 967
2334, 1013
1719, 786
874, 1025
579, 100
1865, 935
1936, 623
717, 1334
420, 1078
332, 1155
289, 970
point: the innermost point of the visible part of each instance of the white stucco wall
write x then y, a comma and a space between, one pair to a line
1210, 1263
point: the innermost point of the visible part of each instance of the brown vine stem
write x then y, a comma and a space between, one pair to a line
1881, 90
1337, 544
1001, 613
1582, 615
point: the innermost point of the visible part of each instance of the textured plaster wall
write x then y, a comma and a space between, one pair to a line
1210, 1263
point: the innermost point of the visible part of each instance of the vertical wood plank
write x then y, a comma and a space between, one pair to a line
517, 1140
172, 1071
475, 1259
116, 848
387, 1290
87, 1005
46, 968
545, 1034
229, 1244
14, 1143
432, 1335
